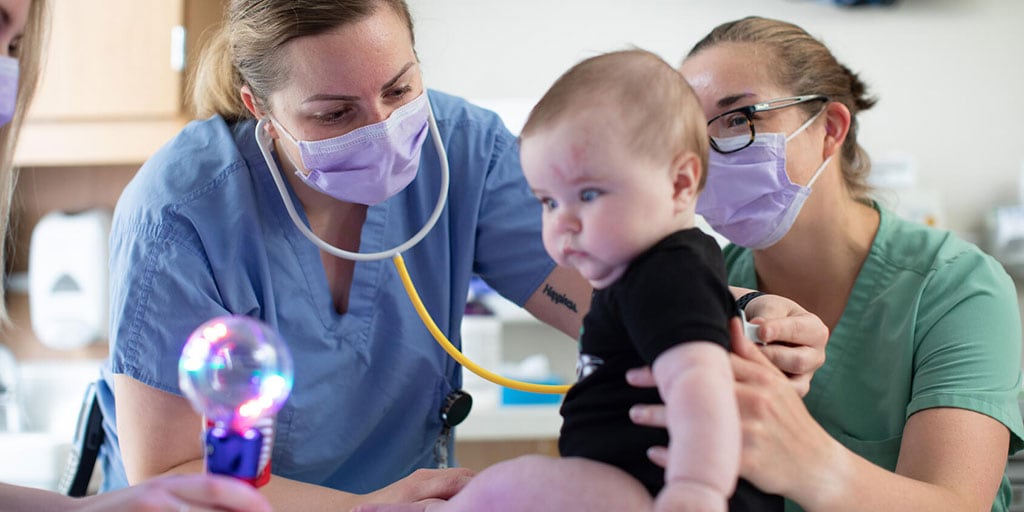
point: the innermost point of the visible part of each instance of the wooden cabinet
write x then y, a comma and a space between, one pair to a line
114, 81
112, 60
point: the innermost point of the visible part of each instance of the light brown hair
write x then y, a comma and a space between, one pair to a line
30, 63
247, 49
655, 105
801, 65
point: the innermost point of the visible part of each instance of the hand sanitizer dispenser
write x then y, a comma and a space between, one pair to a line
67, 278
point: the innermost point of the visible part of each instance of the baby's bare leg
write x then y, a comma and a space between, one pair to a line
535, 483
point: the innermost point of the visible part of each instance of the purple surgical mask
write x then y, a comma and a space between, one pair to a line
369, 164
8, 88
748, 196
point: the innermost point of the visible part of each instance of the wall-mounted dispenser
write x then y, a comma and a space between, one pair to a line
68, 276
1004, 230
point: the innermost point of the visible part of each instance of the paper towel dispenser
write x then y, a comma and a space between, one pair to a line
1004, 228
68, 277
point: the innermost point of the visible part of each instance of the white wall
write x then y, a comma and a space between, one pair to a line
949, 73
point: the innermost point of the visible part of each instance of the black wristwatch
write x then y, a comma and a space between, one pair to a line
742, 302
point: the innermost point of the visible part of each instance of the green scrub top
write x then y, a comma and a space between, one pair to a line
932, 321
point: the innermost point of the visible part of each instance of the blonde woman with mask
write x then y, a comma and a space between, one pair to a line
21, 39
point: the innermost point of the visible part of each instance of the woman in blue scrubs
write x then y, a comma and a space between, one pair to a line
201, 231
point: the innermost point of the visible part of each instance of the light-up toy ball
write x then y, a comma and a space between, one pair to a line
237, 372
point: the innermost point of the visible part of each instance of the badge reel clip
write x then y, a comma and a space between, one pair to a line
454, 411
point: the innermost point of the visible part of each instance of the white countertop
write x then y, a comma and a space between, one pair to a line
511, 422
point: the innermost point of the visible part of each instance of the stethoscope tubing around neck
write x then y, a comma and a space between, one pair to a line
264, 141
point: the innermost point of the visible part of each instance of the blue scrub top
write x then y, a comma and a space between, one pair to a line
201, 231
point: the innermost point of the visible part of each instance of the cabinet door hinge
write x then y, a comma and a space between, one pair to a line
178, 48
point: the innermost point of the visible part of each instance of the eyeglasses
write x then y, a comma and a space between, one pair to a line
734, 130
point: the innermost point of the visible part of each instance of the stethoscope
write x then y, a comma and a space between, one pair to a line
265, 143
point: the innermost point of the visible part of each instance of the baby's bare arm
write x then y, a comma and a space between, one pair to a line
695, 381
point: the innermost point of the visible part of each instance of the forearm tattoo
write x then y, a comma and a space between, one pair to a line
559, 298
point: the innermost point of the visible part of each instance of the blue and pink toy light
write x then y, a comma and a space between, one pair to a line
237, 372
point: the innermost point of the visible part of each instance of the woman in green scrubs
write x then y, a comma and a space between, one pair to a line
916, 405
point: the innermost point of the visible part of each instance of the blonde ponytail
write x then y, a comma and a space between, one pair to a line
214, 89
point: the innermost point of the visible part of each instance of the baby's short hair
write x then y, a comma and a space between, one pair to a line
657, 109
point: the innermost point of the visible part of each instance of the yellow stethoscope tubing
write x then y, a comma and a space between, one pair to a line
264, 142
454, 352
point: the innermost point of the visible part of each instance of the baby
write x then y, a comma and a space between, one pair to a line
615, 151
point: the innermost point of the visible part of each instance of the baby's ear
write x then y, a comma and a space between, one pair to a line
686, 177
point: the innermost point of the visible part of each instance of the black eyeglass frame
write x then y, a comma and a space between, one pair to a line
764, 106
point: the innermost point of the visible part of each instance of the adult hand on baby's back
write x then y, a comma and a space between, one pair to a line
782, 443
779, 435
794, 338
653, 415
